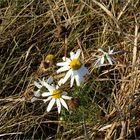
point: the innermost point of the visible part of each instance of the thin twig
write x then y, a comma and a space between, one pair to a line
135, 45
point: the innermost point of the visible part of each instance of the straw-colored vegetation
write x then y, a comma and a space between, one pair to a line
106, 106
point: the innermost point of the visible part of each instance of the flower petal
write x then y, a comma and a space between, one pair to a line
51, 103
60, 82
97, 56
97, 63
37, 93
102, 60
101, 50
46, 100
77, 80
77, 53
49, 87
66, 59
64, 93
78, 77
33, 99
58, 105
72, 80
57, 86
62, 69
37, 84
83, 70
41, 81
63, 63
109, 59
50, 80
45, 94
110, 51
68, 74
66, 97
63, 103
72, 55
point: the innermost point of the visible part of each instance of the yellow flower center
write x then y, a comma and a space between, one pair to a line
56, 94
75, 64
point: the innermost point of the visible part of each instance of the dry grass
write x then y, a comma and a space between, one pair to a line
109, 100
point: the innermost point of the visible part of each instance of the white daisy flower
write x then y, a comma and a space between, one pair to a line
41, 87
103, 57
75, 67
55, 95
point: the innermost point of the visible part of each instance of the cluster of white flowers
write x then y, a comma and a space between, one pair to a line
75, 71
75, 67
104, 57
